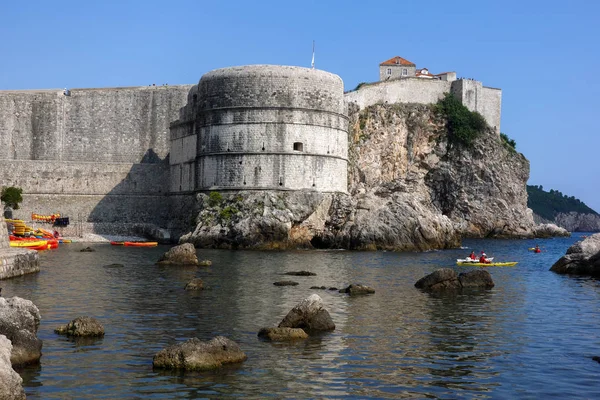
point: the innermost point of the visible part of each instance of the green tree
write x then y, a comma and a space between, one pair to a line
464, 126
11, 196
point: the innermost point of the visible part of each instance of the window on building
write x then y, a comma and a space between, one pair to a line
404, 71
298, 146
389, 71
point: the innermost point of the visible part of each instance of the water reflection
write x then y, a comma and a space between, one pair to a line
398, 343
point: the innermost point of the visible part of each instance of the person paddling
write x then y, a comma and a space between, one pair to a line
483, 259
537, 249
472, 256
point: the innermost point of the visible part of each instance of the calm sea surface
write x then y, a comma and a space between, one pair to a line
531, 337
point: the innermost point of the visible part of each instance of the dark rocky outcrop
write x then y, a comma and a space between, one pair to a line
578, 222
10, 381
82, 327
282, 334
195, 284
446, 278
183, 254
285, 283
582, 258
19, 322
309, 315
356, 289
87, 250
195, 354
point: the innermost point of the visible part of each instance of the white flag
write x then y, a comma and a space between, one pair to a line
312, 64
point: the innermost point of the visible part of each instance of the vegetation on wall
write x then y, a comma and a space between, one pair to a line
464, 126
214, 199
11, 196
548, 204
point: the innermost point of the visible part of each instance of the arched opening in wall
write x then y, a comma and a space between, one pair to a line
298, 146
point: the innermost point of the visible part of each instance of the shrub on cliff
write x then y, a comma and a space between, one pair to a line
11, 196
509, 143
214, 199
464, 126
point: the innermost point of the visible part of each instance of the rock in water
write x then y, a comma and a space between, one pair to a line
195, 284
356, 289
183, 254
82, 326
195, 354
282, 334
582, 258
446, 278
309, 315
10, 381
19, 322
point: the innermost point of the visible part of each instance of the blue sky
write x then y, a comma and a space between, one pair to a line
542, 54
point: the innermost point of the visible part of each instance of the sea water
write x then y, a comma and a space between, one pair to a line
532, 336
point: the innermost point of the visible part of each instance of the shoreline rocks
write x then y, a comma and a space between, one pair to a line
19, 322
582, 258
11, 383
309, 315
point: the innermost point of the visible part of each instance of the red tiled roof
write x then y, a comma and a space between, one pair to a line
398, 61
427, 73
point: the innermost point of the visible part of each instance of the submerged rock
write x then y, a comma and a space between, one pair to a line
356, 289
582, 258
309, 315
446, 278
205, 263
285, 283
19, 322
183, 254
195, 354
81, 326
10, 381
87, 250
195, 284
282, 334
301, 273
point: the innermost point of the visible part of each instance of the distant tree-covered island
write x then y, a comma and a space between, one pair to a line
548, 204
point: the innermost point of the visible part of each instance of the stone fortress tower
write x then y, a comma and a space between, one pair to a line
262, 127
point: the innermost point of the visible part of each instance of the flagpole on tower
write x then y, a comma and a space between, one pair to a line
312, 64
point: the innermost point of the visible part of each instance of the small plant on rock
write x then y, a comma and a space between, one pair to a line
11, 196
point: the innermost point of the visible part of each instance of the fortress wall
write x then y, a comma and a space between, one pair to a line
96, 155
259, 126
273, 171
490, 106
406, 90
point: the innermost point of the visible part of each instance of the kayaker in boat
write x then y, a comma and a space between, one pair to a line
537, 249
472, 256
483, 259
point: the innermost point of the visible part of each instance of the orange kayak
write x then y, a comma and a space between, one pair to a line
140, 244
117, 243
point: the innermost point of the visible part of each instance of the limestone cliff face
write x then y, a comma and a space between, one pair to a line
409, 189
578, 222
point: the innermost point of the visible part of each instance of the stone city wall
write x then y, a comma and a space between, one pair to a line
97, 155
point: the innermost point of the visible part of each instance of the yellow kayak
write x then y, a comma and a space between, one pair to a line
493, 264
27, 243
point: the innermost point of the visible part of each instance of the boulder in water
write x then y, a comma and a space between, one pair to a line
282, 334
356, 289
309, 315
582, 258
446, 278
195, 284
82, 326
195, 354
183, 254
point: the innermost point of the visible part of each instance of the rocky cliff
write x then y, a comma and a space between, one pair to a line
409, 188
578, 222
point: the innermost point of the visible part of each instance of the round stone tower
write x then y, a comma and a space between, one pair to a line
263, 127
